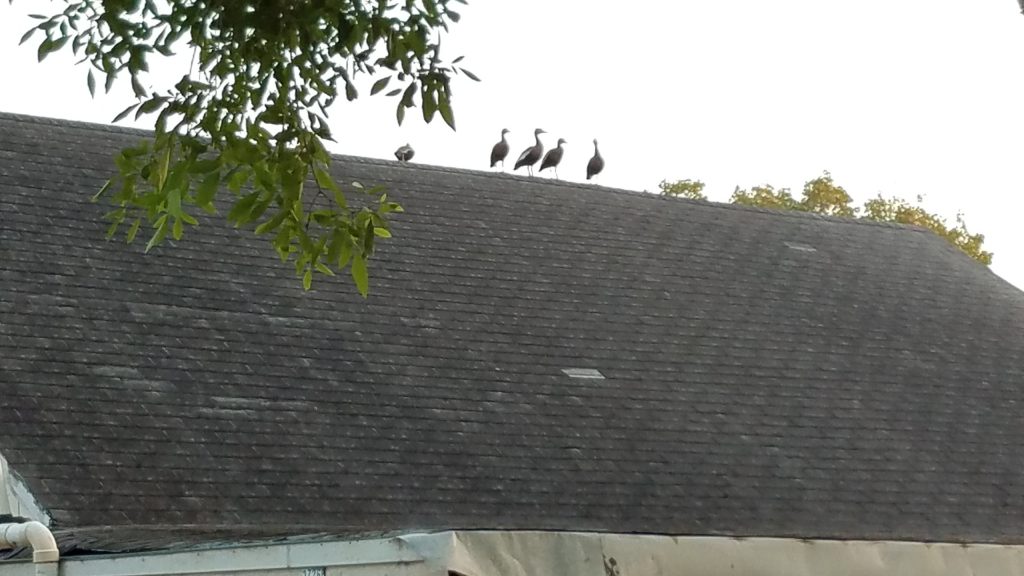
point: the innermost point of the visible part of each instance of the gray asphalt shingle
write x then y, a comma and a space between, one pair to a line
868, 388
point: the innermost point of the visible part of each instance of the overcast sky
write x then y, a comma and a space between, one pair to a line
899, 97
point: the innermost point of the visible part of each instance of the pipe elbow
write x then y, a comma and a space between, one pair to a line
34, 534
44, 545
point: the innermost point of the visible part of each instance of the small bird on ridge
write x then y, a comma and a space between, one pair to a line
500, 150
530, 156
405, 153
596, 163
553, 157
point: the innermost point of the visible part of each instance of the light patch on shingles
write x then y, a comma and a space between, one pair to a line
114, 371
51, 300
420, 322
150, 385
800, 247
227, 413
285, 321
243, 403
148, 311
588, 373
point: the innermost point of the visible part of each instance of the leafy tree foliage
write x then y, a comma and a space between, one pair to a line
823, 196
251, 116
766, 196
899, 210
692, 189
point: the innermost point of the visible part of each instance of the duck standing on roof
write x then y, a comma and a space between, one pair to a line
530, 156
596, 163
553, 157
500, 150
405, 153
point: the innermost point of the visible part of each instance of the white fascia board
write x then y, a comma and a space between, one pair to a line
590, 554
16, 499
5, 495
18, 568
377, 557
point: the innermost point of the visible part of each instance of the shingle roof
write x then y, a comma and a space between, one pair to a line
766, 373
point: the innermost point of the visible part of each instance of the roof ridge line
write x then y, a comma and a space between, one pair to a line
366, 160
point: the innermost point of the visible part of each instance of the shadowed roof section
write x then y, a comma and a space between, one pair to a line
764, 373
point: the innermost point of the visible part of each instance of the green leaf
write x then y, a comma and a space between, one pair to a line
410, 93
112, 229
178, 229
150, 105
445, 108
345, 251
296, 209
27, 35
237, 179
242, 208
207, 189
124, 113
382, 232
103, 190
324, 179
394, 92
339, 199
257, 210
429, 105
323, 269
174, 201
133, 231
350, 91
205, 166
161, 232
48, 46
307, 279
470, 74
140, 92
43, 49
273, 223
91, 81
360, 275
380, 85
368, 239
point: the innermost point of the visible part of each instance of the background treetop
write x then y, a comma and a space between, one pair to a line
823, 196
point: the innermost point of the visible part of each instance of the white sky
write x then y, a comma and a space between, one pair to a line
902, 97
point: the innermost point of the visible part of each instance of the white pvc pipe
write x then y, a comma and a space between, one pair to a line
5, 504
34, 534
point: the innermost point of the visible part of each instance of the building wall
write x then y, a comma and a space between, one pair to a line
497, 553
